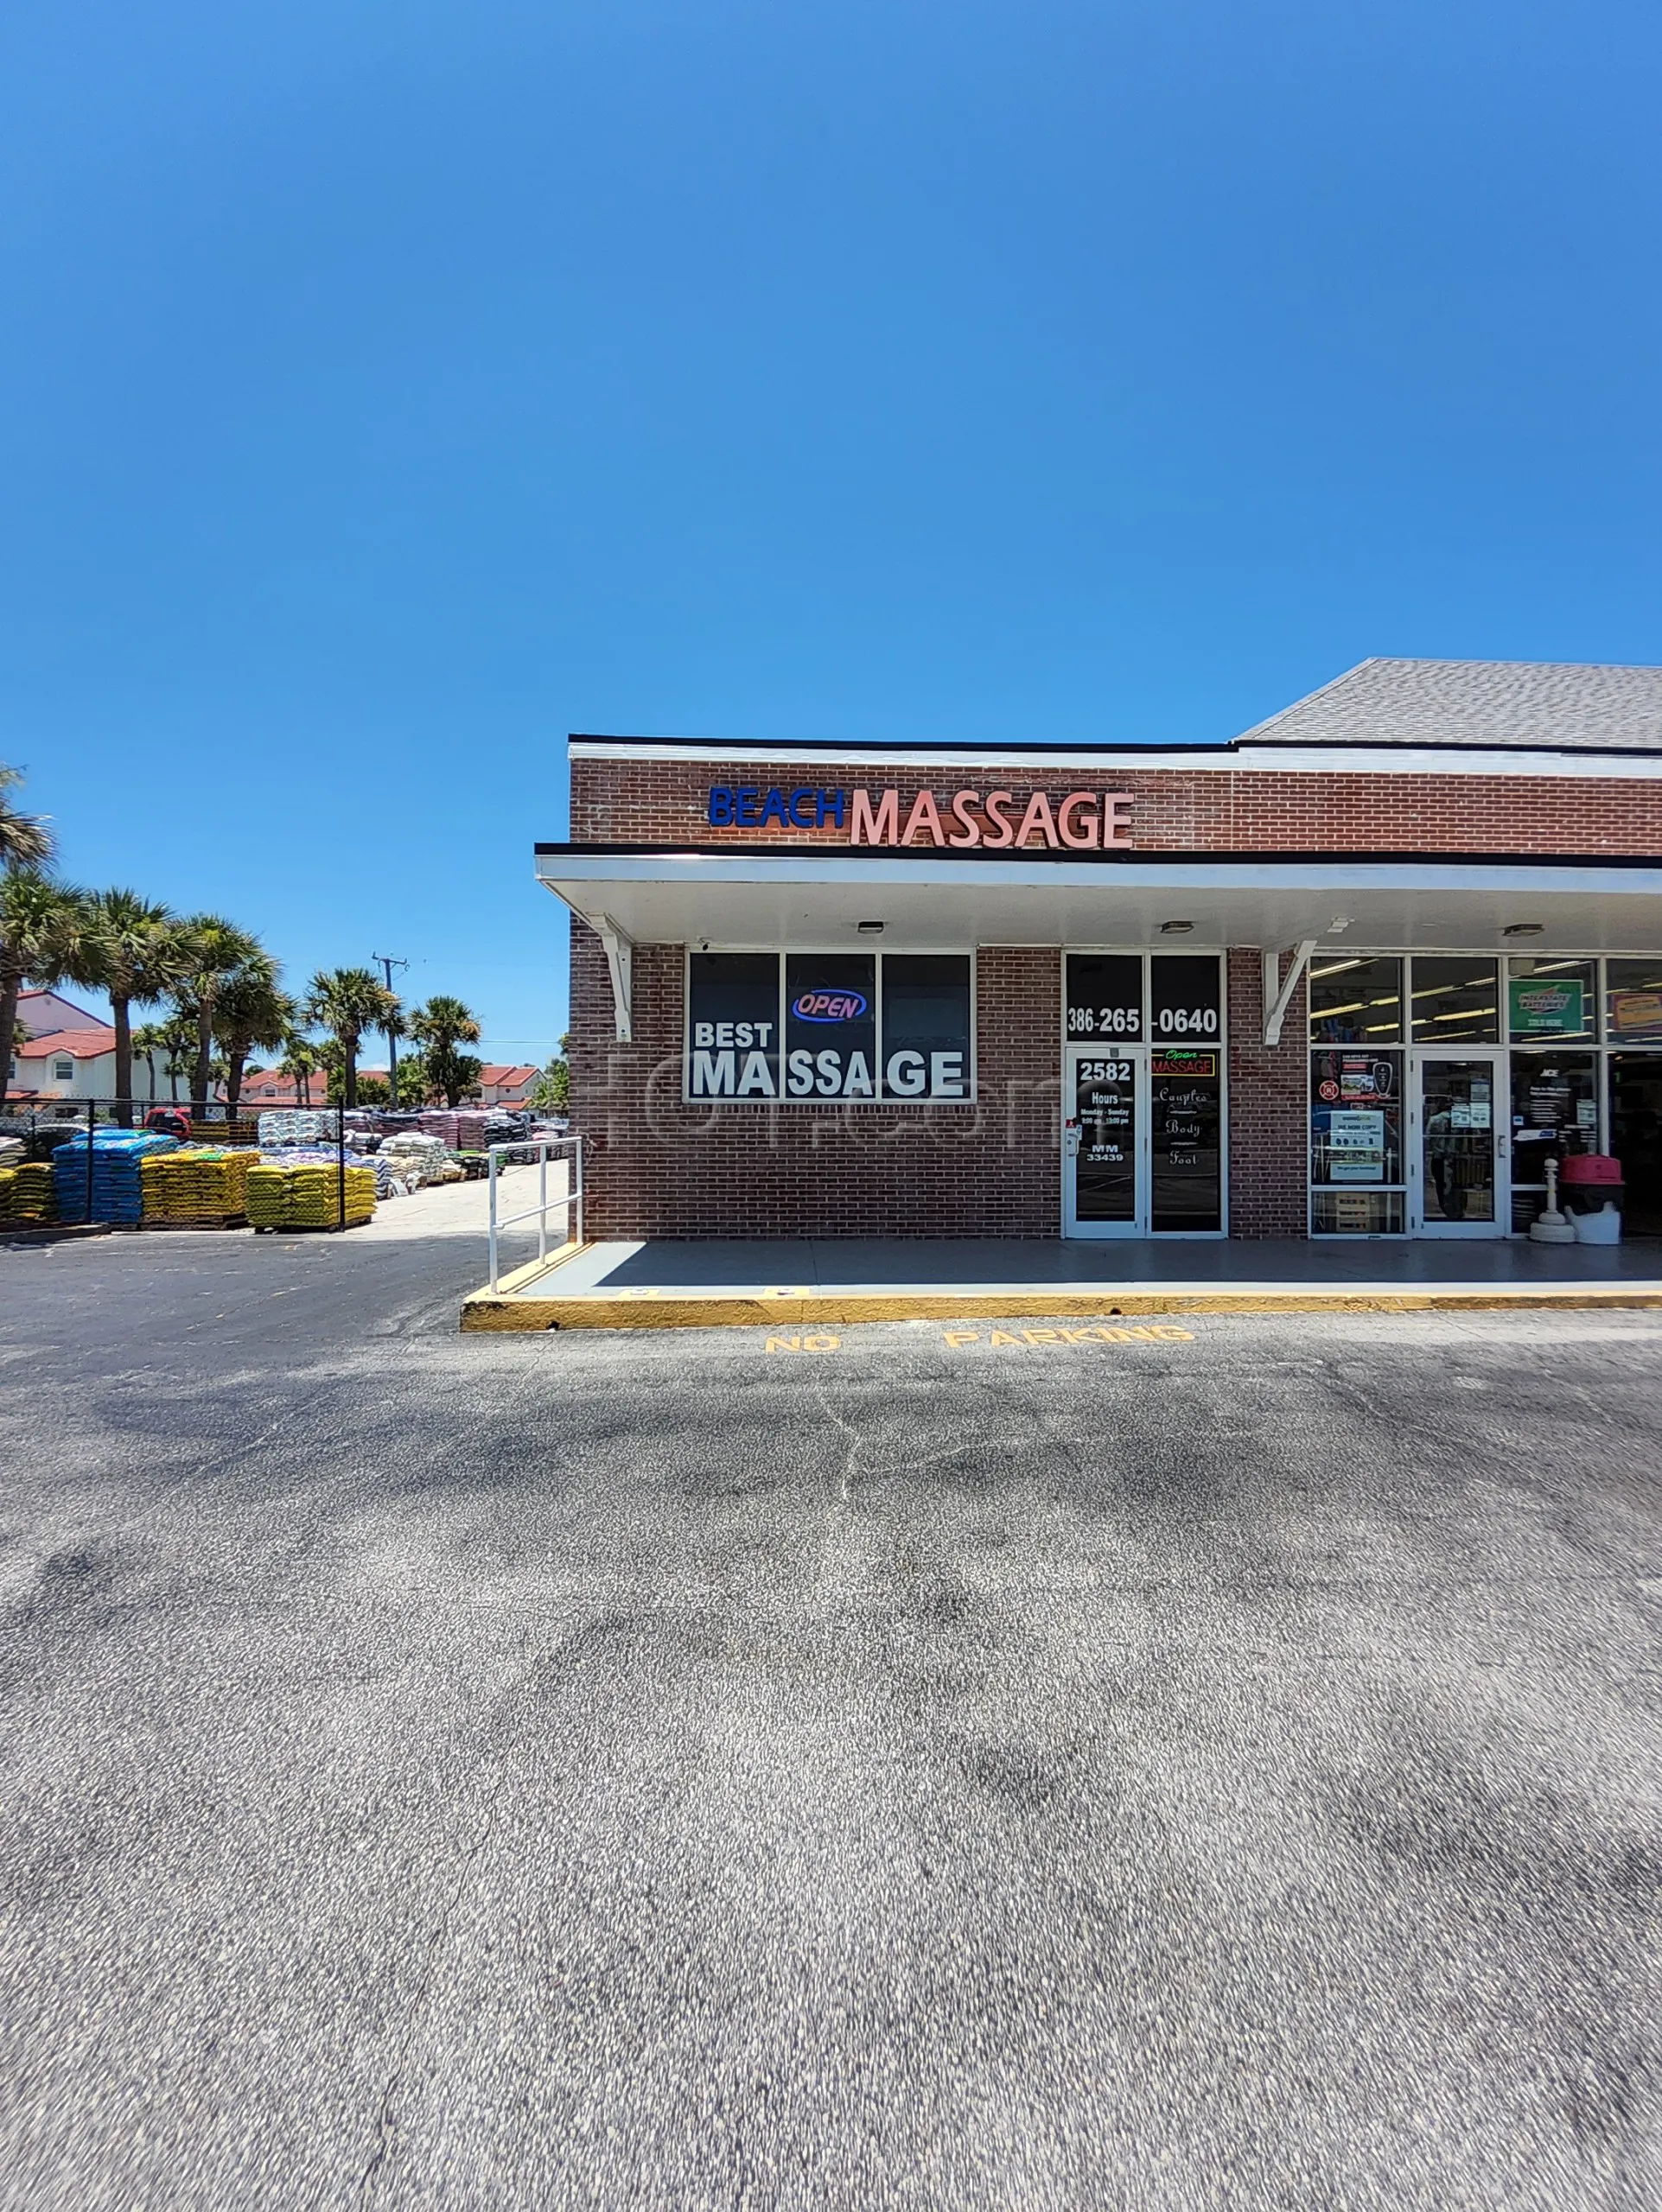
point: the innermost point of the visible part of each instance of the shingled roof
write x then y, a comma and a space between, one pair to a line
1553, 704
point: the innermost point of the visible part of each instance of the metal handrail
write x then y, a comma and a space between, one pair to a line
543, 1146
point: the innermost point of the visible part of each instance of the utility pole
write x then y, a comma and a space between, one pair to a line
387, 962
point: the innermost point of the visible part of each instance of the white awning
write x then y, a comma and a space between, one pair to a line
935, 901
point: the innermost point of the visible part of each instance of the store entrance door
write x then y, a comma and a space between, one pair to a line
1636, 1138
1144, 1141
1457, 1146
1105, 1140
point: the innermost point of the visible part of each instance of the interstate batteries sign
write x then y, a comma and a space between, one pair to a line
1082, 822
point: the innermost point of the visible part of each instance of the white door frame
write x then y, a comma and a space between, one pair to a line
1500, 1140
1139, 1056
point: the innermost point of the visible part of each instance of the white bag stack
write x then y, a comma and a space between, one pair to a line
414, 1157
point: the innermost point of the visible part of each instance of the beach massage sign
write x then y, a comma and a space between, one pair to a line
1082, 822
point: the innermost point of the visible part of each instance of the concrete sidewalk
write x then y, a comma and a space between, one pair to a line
815, 1282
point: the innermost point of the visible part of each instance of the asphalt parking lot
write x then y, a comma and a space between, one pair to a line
1218, 1769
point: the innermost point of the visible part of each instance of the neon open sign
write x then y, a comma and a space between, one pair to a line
830, 1005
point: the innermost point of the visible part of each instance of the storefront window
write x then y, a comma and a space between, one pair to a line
733, 1023
1356, 1001
1456, 1000
830, 1025
1357, 1213
925, 1017
1105, 997
1554, 1109
1555, 1112
1553, 1000
1186, 998
856, 1027
1356, 1142
1634, 1002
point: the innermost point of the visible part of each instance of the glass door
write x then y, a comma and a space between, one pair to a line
1457, 1144
1636, 1137
1185, 1132
1105, 1191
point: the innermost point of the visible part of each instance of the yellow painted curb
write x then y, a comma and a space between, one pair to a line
714, 1309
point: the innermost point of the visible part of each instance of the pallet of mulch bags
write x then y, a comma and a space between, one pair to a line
29, 1196
307, 1195
199, 1186
100, 1181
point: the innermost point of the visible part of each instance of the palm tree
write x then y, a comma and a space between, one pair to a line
345, 1002
299, 1063
216, 948
31, 927
253, 1014
133, 950
149, 1038
25, 840
41, 925
438, 1027
412, 1081
179, 1042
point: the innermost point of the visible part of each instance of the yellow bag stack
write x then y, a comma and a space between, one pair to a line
198, 1182
307, 1195
268, 1195
29, 1193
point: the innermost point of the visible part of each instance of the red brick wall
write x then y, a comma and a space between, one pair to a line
654, 801
1267, 1106
657, 1167
654, 1167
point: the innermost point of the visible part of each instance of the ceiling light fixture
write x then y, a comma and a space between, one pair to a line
869, 928
1524, 929
1175, 929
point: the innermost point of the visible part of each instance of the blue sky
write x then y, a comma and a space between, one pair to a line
387, 389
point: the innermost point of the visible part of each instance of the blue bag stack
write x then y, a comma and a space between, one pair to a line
117, 1190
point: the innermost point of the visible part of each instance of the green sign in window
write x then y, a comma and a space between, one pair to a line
1543, 1007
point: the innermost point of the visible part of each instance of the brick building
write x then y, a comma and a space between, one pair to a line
1361, 971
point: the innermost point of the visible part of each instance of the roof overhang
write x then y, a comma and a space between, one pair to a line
819, 897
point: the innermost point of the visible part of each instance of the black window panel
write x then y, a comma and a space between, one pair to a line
733, 1025
1185, 1129
1355, 1000
1185, 998
830, 1025
1104, 996
926, 1026
1456, 1000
